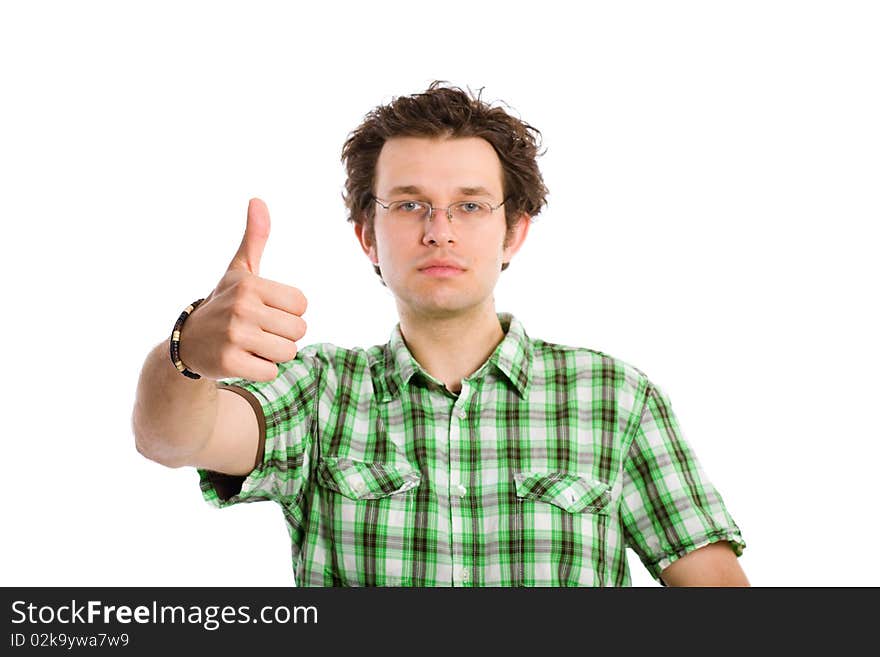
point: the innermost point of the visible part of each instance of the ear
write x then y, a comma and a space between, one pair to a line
517, 237
368, 246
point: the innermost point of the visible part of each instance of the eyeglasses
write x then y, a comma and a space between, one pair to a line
465, 212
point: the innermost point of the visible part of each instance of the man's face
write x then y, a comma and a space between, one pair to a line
438, 169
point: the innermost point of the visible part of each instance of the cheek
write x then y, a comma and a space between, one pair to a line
384, 248
496, 252
390, 249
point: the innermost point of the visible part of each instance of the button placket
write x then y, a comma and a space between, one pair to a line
461, 574
461, 402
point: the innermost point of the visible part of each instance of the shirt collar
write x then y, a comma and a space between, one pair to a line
512, 357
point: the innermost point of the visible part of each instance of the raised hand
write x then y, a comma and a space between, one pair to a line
247, 324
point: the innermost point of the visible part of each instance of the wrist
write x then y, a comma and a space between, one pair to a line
174, 345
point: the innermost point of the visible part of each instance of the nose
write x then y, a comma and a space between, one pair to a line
438, 229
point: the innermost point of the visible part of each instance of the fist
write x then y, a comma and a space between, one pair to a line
247, 324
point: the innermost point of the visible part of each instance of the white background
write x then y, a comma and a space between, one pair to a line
713, 172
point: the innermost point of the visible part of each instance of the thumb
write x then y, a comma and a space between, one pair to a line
247, 258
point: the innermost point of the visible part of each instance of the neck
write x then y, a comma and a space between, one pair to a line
451, 347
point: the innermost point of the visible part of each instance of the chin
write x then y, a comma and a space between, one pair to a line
433, 299
440, 308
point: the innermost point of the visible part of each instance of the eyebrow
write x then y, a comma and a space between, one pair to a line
413, 189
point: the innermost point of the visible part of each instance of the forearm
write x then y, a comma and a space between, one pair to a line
173, 415
712, 565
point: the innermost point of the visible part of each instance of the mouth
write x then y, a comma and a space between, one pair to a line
441, 272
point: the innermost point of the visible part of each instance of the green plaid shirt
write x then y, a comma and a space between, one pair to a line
548, 464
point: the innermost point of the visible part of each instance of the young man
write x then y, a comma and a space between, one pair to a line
463, 452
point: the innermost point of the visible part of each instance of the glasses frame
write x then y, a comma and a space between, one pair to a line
431, 207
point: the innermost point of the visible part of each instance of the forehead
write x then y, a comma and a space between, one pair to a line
438, 166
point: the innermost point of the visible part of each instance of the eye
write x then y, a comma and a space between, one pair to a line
471, 206
408, 206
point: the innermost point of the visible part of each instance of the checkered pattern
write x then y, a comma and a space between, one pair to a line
548, 464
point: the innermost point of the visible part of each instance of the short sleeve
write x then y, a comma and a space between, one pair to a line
287, 407
669, 507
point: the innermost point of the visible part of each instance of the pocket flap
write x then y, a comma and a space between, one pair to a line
568, 491
362, 480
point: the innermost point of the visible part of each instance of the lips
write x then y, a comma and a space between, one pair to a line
441, 264
441, 271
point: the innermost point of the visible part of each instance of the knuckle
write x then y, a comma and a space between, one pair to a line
299, 300
296, 325
270, 372
245, 287
240, 307
232, 281
234, 333
246, 281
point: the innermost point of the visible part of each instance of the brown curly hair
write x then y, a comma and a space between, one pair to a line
445, 112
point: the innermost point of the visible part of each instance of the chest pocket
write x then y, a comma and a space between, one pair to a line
570, 492
365, 509
362, 480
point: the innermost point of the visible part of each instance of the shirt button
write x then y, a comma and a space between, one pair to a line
360, 487
462, 414
465, 574
460, 490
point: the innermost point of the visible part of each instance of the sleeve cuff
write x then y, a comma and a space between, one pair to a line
224, 485
674, 554
258, 411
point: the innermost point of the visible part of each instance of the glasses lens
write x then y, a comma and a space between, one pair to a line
408, 210
471, 211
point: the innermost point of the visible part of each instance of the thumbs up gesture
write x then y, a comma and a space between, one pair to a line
247, 324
